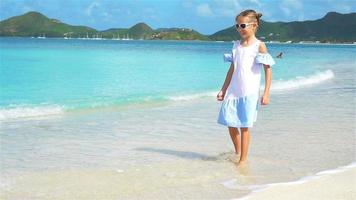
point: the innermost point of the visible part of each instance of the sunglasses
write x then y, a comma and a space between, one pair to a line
243, 26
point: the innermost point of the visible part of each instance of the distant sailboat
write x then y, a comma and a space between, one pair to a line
84, 37
70, 35
96, 37
118, 37
127, 37
42, 37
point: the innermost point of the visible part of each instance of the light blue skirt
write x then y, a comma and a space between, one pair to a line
239, 112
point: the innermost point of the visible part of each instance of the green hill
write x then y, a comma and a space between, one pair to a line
35, 24
178, 34
138, 31
333, 27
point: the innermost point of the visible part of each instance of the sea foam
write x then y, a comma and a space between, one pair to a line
277, 85
231, 184
26, 111
302, 81
15, 112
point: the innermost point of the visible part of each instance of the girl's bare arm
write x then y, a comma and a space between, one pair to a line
228, 77
268, 76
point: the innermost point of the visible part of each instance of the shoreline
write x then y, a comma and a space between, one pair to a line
340, 182
42, 110
213, 41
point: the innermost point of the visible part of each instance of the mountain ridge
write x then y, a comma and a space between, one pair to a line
333, 27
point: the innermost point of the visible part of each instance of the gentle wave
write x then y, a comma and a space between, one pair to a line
25, 111
299, 82
231, 184
295, 83
192, 96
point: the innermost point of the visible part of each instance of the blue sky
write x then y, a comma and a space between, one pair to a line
205, 16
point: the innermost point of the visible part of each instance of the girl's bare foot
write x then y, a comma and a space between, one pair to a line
234, 157
243, 167
242, 163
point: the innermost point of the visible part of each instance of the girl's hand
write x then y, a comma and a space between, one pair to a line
265, 99
220, 95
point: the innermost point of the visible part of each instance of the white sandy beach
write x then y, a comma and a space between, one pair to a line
176, 166
333, 186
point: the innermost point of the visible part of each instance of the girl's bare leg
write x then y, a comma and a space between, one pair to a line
245, 140
235, 137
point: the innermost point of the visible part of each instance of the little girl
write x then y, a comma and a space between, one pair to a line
241, 90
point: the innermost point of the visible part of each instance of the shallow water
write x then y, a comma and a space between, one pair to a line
174, 148
52, 76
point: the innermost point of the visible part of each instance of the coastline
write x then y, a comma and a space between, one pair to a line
172, 40
333, 184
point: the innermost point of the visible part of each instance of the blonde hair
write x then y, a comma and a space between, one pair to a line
251, 14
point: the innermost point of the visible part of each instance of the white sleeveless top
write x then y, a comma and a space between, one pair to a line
248, 64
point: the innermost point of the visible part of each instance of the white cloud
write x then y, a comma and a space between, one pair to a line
343, 8
89, 9
286, 10
219, 8
287, 6
227, 8
95, 11
204, 10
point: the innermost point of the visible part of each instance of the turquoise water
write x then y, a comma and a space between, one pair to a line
83, 119
84, 74
58, 74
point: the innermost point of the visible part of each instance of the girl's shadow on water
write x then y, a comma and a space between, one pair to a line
186, 154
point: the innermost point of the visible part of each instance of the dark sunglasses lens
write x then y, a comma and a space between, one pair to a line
241, 26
